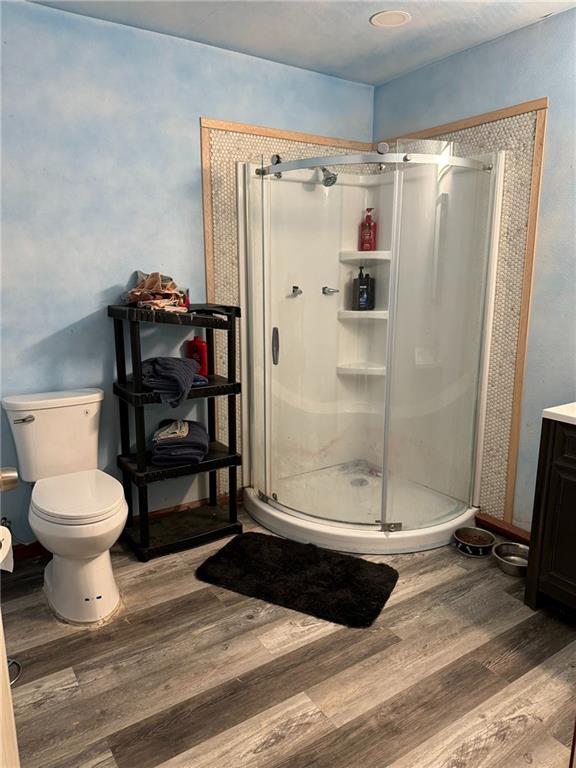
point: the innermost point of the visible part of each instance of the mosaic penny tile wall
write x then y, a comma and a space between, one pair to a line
516, 136
226, 148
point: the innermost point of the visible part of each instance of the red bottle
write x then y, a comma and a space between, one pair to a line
197, 349
368, 232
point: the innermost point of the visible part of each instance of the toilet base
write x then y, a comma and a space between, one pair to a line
81, 591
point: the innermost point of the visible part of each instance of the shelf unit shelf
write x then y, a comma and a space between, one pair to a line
195, 525
216, 387
369, 314
364, 258
360, 369
218, 457
186, 528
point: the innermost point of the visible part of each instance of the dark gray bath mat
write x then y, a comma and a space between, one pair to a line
339, 588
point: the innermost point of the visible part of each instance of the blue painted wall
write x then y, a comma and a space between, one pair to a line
536, 61
101, 176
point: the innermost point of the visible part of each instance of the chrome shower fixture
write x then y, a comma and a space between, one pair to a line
329, 178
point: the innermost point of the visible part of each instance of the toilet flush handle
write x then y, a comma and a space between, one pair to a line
25, 420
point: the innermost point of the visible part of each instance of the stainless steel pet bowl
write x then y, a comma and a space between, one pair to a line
512, 558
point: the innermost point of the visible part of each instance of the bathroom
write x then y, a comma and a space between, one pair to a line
144, 136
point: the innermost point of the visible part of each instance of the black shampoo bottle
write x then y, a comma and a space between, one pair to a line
363, 291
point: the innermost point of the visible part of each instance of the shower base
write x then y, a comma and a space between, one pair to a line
351, 494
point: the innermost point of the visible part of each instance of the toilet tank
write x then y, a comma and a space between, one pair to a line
55, 432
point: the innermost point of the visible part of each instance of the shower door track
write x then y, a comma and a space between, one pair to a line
363, 158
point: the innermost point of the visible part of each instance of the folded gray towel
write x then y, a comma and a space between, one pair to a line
172, 377
184, 442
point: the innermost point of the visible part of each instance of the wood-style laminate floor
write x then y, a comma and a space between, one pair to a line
456, 673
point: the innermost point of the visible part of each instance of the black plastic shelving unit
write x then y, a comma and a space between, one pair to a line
170, 532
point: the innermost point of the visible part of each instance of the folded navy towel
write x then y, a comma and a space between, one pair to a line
179, 442
172, 377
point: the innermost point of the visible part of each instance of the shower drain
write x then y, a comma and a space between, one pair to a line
358, 482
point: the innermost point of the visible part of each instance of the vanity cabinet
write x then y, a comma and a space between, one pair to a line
552, 563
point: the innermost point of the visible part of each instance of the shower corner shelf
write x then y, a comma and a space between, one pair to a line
192, 526
365, 258
369, 314
360, 369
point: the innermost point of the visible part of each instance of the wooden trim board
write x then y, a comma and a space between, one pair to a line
469, 122
277, 133
207, 213
502, 528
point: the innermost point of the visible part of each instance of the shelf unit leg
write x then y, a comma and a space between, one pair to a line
232, 473
127, 485
231, 349
124, 427
120, 351
136, 354
233, 495
125, 450
212, 489
210, 350
231, 377
143, 516
211, 406
140, 425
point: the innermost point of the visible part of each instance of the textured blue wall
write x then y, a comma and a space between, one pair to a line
101, 176
535, 61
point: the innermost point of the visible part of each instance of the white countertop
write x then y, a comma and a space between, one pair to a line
565, 413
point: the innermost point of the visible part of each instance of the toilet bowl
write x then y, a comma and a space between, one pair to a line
78, 517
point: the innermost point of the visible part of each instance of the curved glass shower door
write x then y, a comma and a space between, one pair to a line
326, 361
441, 256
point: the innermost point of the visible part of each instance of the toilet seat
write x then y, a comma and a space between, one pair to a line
77, 498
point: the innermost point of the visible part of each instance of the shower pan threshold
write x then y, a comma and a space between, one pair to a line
349, 538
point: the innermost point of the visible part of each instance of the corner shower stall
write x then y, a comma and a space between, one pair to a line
364, 426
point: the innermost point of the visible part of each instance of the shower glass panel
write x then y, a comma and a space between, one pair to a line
441, 267
327, 362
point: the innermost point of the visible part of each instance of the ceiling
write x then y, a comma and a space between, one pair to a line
330, 36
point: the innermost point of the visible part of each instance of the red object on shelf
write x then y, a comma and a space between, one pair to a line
197, 349
368, 232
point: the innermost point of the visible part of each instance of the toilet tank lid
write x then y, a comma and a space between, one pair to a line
43, 400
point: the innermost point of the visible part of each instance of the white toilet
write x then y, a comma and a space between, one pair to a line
76, 511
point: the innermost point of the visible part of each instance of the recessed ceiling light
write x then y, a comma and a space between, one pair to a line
390, 18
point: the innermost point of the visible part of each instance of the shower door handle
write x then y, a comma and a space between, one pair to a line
275, 345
